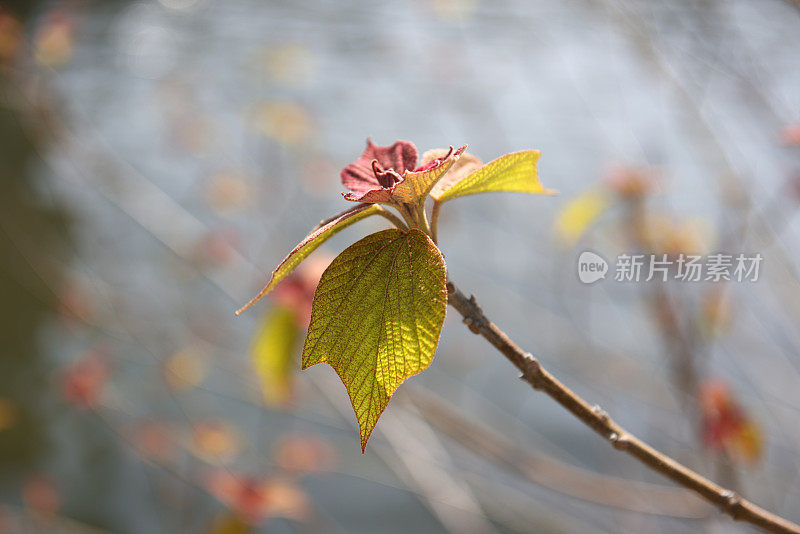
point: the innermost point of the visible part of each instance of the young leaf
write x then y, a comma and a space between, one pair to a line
466, 165
324, 231
417, 184
359, 177
512, 172
388, 174
274, 354
378, 312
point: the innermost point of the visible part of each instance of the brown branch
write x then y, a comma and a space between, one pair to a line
598, 420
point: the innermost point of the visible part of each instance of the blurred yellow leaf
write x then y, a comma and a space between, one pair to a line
749, 442
275, 352
578, 214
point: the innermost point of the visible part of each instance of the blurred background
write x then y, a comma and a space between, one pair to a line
158, 158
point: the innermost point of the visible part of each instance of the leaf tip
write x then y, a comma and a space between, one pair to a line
266, 289
366, 432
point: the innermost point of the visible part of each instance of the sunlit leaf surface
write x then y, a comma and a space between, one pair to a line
466, 165
417, 184
513, 172
378, 312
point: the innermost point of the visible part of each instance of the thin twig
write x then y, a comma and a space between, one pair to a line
598, 420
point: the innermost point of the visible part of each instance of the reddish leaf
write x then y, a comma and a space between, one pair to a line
392, 179
359, 176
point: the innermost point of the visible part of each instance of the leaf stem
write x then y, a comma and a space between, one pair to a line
598, 420
435, 221
394, 219
423, 220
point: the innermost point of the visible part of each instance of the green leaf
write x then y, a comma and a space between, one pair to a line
377, 315
512, 172
323, 231
416, 185
274, 354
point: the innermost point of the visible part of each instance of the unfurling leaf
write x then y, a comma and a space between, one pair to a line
324, 231
389, 174
512, 172
378, 312
466, 165
274, 354
360, 177
417, 184
579, 213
